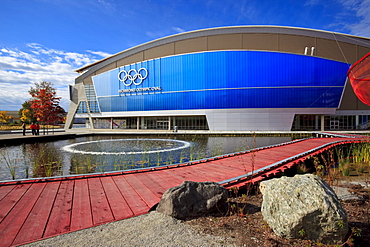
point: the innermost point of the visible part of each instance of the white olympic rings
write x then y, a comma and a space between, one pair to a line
133, 76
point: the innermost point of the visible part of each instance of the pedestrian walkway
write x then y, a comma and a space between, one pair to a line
16, 137
41, 208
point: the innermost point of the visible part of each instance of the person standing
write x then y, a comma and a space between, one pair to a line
24, 128
33, 129
37, 127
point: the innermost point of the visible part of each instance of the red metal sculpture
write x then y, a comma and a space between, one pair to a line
359, 76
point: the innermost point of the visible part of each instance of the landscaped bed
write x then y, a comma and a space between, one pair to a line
345, 167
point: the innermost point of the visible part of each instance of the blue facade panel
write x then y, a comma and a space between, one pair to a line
224, 80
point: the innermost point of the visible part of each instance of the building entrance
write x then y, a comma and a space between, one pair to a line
163, 124
334, 124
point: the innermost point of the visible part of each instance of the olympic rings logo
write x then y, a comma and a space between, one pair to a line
132, 76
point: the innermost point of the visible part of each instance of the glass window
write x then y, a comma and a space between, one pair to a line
91, 98
331, 122
82, 108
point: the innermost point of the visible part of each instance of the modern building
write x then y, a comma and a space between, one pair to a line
241, 78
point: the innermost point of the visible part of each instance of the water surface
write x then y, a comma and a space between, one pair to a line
105, 153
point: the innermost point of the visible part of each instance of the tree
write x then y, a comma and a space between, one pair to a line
4, 118
26, 113
45, 104
47, 86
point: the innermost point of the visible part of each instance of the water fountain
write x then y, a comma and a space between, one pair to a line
107, 153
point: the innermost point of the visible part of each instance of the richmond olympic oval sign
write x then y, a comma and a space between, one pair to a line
133, 76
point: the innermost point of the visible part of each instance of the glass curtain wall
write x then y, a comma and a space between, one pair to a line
82, 108
191, 123
331, 122
91, 98
307, 122
159, 123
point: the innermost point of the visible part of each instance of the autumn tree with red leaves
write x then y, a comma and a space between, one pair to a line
45, 104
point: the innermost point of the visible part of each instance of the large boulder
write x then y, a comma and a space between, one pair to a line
192, 199
304, 206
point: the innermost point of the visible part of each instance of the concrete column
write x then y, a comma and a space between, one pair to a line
322, 123
70, 116
142, 123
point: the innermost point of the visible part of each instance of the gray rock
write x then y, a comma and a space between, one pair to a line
192, 199
345, 195
304, 206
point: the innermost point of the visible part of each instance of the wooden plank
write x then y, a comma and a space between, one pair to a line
8, 202
232, 164
275, 155
60, 216
34, 226
11, 224
222, 169
211, 175
136, 203
199, 174
100, 208
118, 204
158, 177
81, 209
146, 194
187, 174
168, 174
156, 188
230, 167
4, 190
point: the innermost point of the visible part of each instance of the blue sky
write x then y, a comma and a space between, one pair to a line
46, 40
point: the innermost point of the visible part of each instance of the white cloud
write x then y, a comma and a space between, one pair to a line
178, 29
100, 53
19, 70
107, 6
362, 10
164, 32
311, 2
155, 35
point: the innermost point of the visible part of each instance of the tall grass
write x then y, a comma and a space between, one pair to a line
10, 162
356, 158
360, 153
46, 159
192, 149
217, 149
26, 161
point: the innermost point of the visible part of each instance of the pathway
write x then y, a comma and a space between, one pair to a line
41, 208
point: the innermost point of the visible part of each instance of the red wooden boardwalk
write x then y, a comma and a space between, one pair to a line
37, 209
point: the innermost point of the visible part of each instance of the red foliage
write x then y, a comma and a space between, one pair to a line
46, 106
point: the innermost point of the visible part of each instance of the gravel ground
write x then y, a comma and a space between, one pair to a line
155, 229
152, 229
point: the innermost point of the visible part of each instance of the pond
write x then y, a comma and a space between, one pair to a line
105, 153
